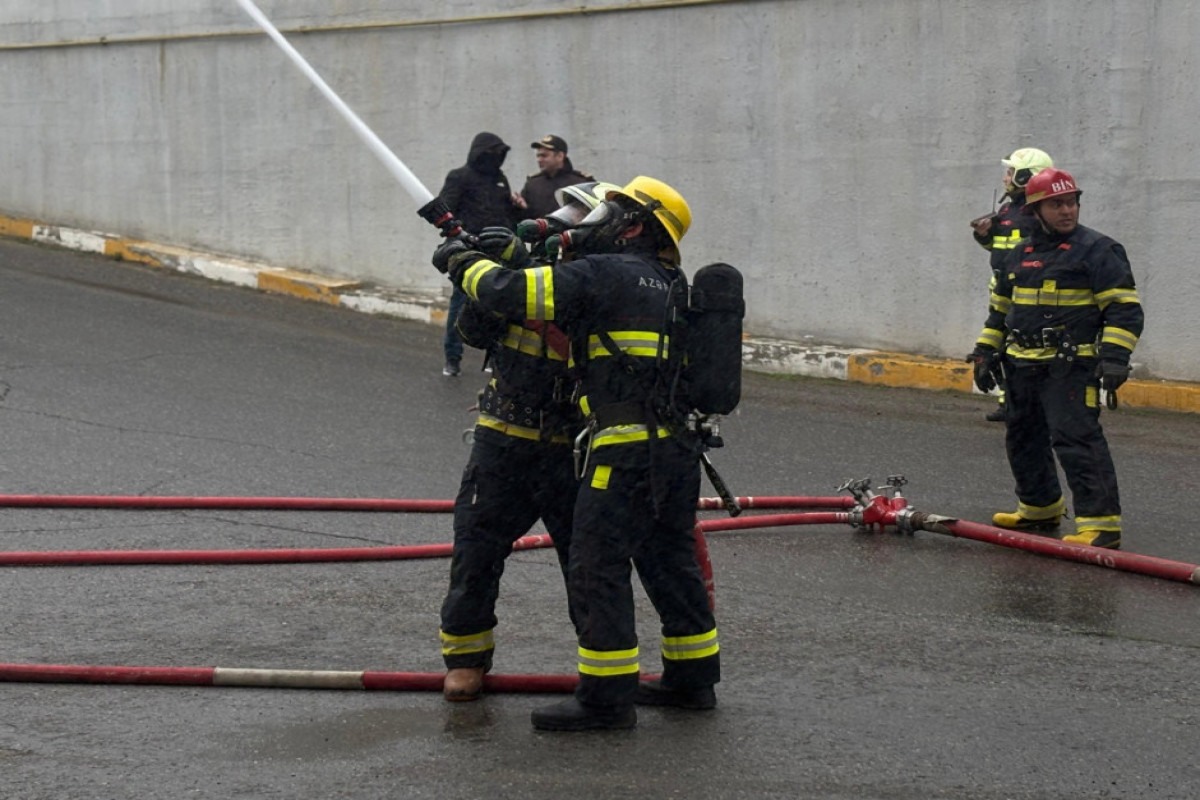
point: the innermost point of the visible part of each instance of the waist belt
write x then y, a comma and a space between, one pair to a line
1038, 339
505, 414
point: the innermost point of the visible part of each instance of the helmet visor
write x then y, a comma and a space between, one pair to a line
570, 215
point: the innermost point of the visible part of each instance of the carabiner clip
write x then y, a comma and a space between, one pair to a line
583, 451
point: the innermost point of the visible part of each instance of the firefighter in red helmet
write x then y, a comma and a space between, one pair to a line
1063, 321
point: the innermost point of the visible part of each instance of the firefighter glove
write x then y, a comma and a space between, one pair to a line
984, 361
1112, 374
503, 245
447, 250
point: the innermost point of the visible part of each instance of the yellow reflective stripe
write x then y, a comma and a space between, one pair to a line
1007, 242
1045, 353
1055, 509
1107, 523
600, 476
585, 406
529, 342
519, 431
1049, 296
999, 302
539, 293
606, 663
1116, 296
684, 648
474, 274
1091, 396
471, 643
1119, 337
635, 343
623, 434
990, 337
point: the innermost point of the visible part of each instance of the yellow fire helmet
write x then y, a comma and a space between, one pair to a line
669, 207
1025, 163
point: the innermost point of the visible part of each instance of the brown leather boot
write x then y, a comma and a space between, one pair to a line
462, 684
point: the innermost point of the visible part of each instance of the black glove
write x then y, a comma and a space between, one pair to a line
504, 246
447, 250
460, 262
1112, 374
983, 359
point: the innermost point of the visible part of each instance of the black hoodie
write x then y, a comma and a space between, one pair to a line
478, 192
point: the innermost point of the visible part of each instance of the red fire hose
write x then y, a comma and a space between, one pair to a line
338, 503
275, 678
76, 558
1113, 559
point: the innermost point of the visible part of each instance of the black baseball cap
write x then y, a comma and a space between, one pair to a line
551, 142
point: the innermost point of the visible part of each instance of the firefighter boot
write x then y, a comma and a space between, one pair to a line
653, 693
462, 684
1016, 522
1110, 540
998, 414
572, 715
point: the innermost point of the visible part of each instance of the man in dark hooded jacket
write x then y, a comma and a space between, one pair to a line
479, 195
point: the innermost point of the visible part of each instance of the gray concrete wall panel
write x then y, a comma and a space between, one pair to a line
832, 149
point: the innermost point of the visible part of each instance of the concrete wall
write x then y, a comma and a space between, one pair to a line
834, 150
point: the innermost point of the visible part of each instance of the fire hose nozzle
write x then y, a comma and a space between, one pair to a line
439, 215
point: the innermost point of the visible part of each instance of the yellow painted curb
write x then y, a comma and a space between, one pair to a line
913, 372
1167, 395
305, 285
17, 228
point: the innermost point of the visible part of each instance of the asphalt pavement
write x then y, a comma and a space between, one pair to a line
871, 666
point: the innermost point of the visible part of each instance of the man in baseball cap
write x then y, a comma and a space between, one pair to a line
555, 172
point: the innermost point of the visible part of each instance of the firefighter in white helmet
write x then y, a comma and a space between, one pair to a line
1000, 231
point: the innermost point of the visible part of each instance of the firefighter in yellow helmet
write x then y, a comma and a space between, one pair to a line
640, 472
1064, 318
1000, 232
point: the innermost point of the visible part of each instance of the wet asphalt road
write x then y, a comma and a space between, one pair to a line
856, 665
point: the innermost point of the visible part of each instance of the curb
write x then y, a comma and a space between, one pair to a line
778, 356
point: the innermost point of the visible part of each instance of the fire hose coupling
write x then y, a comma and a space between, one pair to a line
879, 510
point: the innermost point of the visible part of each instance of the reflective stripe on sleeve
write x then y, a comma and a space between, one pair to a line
1000, 303
539, 293
471, 278
1123, 295
990, 337
1119, 336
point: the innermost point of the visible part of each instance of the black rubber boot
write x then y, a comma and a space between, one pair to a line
572, 715
653, 693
